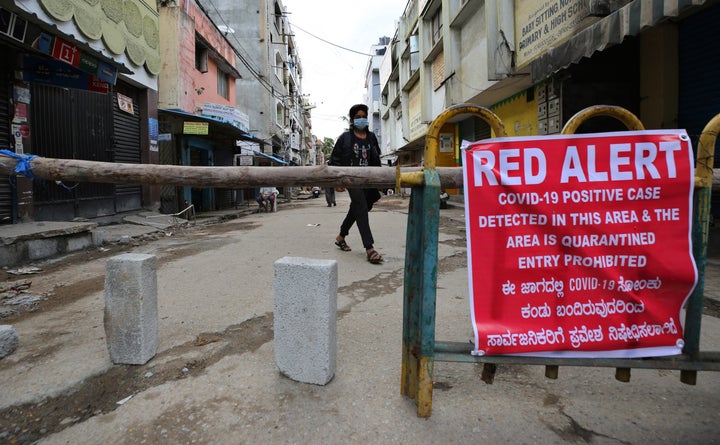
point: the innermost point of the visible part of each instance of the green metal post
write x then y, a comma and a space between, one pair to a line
701, 221
420, 293
418, 350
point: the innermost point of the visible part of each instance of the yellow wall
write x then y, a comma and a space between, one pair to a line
519, 116
448, 150
447, 158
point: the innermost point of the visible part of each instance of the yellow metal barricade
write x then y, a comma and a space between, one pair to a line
420, 349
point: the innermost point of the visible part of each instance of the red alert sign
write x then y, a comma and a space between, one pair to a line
580, 245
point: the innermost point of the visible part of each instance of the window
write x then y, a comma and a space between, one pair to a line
278, 65
414, 54
438, 71
436, 27
278, 19
5, 21
201, 56
279, 114
222, 84
12, 25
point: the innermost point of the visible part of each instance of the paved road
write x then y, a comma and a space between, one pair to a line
214, 379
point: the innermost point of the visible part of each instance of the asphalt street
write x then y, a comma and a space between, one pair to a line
214, 379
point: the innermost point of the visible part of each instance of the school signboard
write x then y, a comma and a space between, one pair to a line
580, 245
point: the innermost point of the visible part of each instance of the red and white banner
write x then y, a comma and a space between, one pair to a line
580, 245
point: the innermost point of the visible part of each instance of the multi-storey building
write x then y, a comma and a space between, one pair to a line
200, 122
308, 152
372, 86
269, 87
78, 81
536, 63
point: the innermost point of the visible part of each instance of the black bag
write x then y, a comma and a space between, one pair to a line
372, 196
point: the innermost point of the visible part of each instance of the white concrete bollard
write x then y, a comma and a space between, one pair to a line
131, 315
305, 318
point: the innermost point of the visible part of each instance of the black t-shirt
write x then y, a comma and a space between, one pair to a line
350, 151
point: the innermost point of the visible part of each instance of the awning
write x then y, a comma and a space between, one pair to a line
414, 145
278, 160
227, 126
627, 21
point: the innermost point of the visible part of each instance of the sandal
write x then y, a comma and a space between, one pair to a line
374, 257
342, 245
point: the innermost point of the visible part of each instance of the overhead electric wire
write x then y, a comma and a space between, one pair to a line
253, 71
329, 42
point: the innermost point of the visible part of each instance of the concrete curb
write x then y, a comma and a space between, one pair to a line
8, 340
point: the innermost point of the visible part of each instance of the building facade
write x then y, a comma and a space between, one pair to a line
79, 81
372, 86
270, 86
200, 121
536, 63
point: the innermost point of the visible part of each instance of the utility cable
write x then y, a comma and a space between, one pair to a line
253, 71
329, 42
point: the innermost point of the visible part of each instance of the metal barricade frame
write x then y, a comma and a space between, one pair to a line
419, 347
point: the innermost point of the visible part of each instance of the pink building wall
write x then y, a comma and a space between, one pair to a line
194, 87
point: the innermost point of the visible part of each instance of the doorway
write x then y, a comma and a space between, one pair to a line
198, 153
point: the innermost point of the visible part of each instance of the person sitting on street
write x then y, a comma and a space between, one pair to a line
266, 198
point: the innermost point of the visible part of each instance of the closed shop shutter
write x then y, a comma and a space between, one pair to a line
699, 73
700, 79
223, 198
6, 190
71, 124
474, 129
126, 128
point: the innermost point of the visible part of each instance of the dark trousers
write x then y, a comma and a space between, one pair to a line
358, 213
330, 195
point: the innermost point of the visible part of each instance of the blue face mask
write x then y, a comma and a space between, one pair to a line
360, 123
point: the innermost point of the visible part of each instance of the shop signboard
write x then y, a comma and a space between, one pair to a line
544, 24
196, 128
227, 113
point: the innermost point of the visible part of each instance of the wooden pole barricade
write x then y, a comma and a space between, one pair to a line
421, 350
226, 177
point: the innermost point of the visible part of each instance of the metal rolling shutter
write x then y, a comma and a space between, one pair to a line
126, 147
699, 73
474, 129
71, 124
6, 190
700, 79
223, 198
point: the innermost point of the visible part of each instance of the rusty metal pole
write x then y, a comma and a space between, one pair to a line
630, 120
701, 222
421, 263
632, 123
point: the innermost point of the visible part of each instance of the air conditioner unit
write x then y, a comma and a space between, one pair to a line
376, 106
